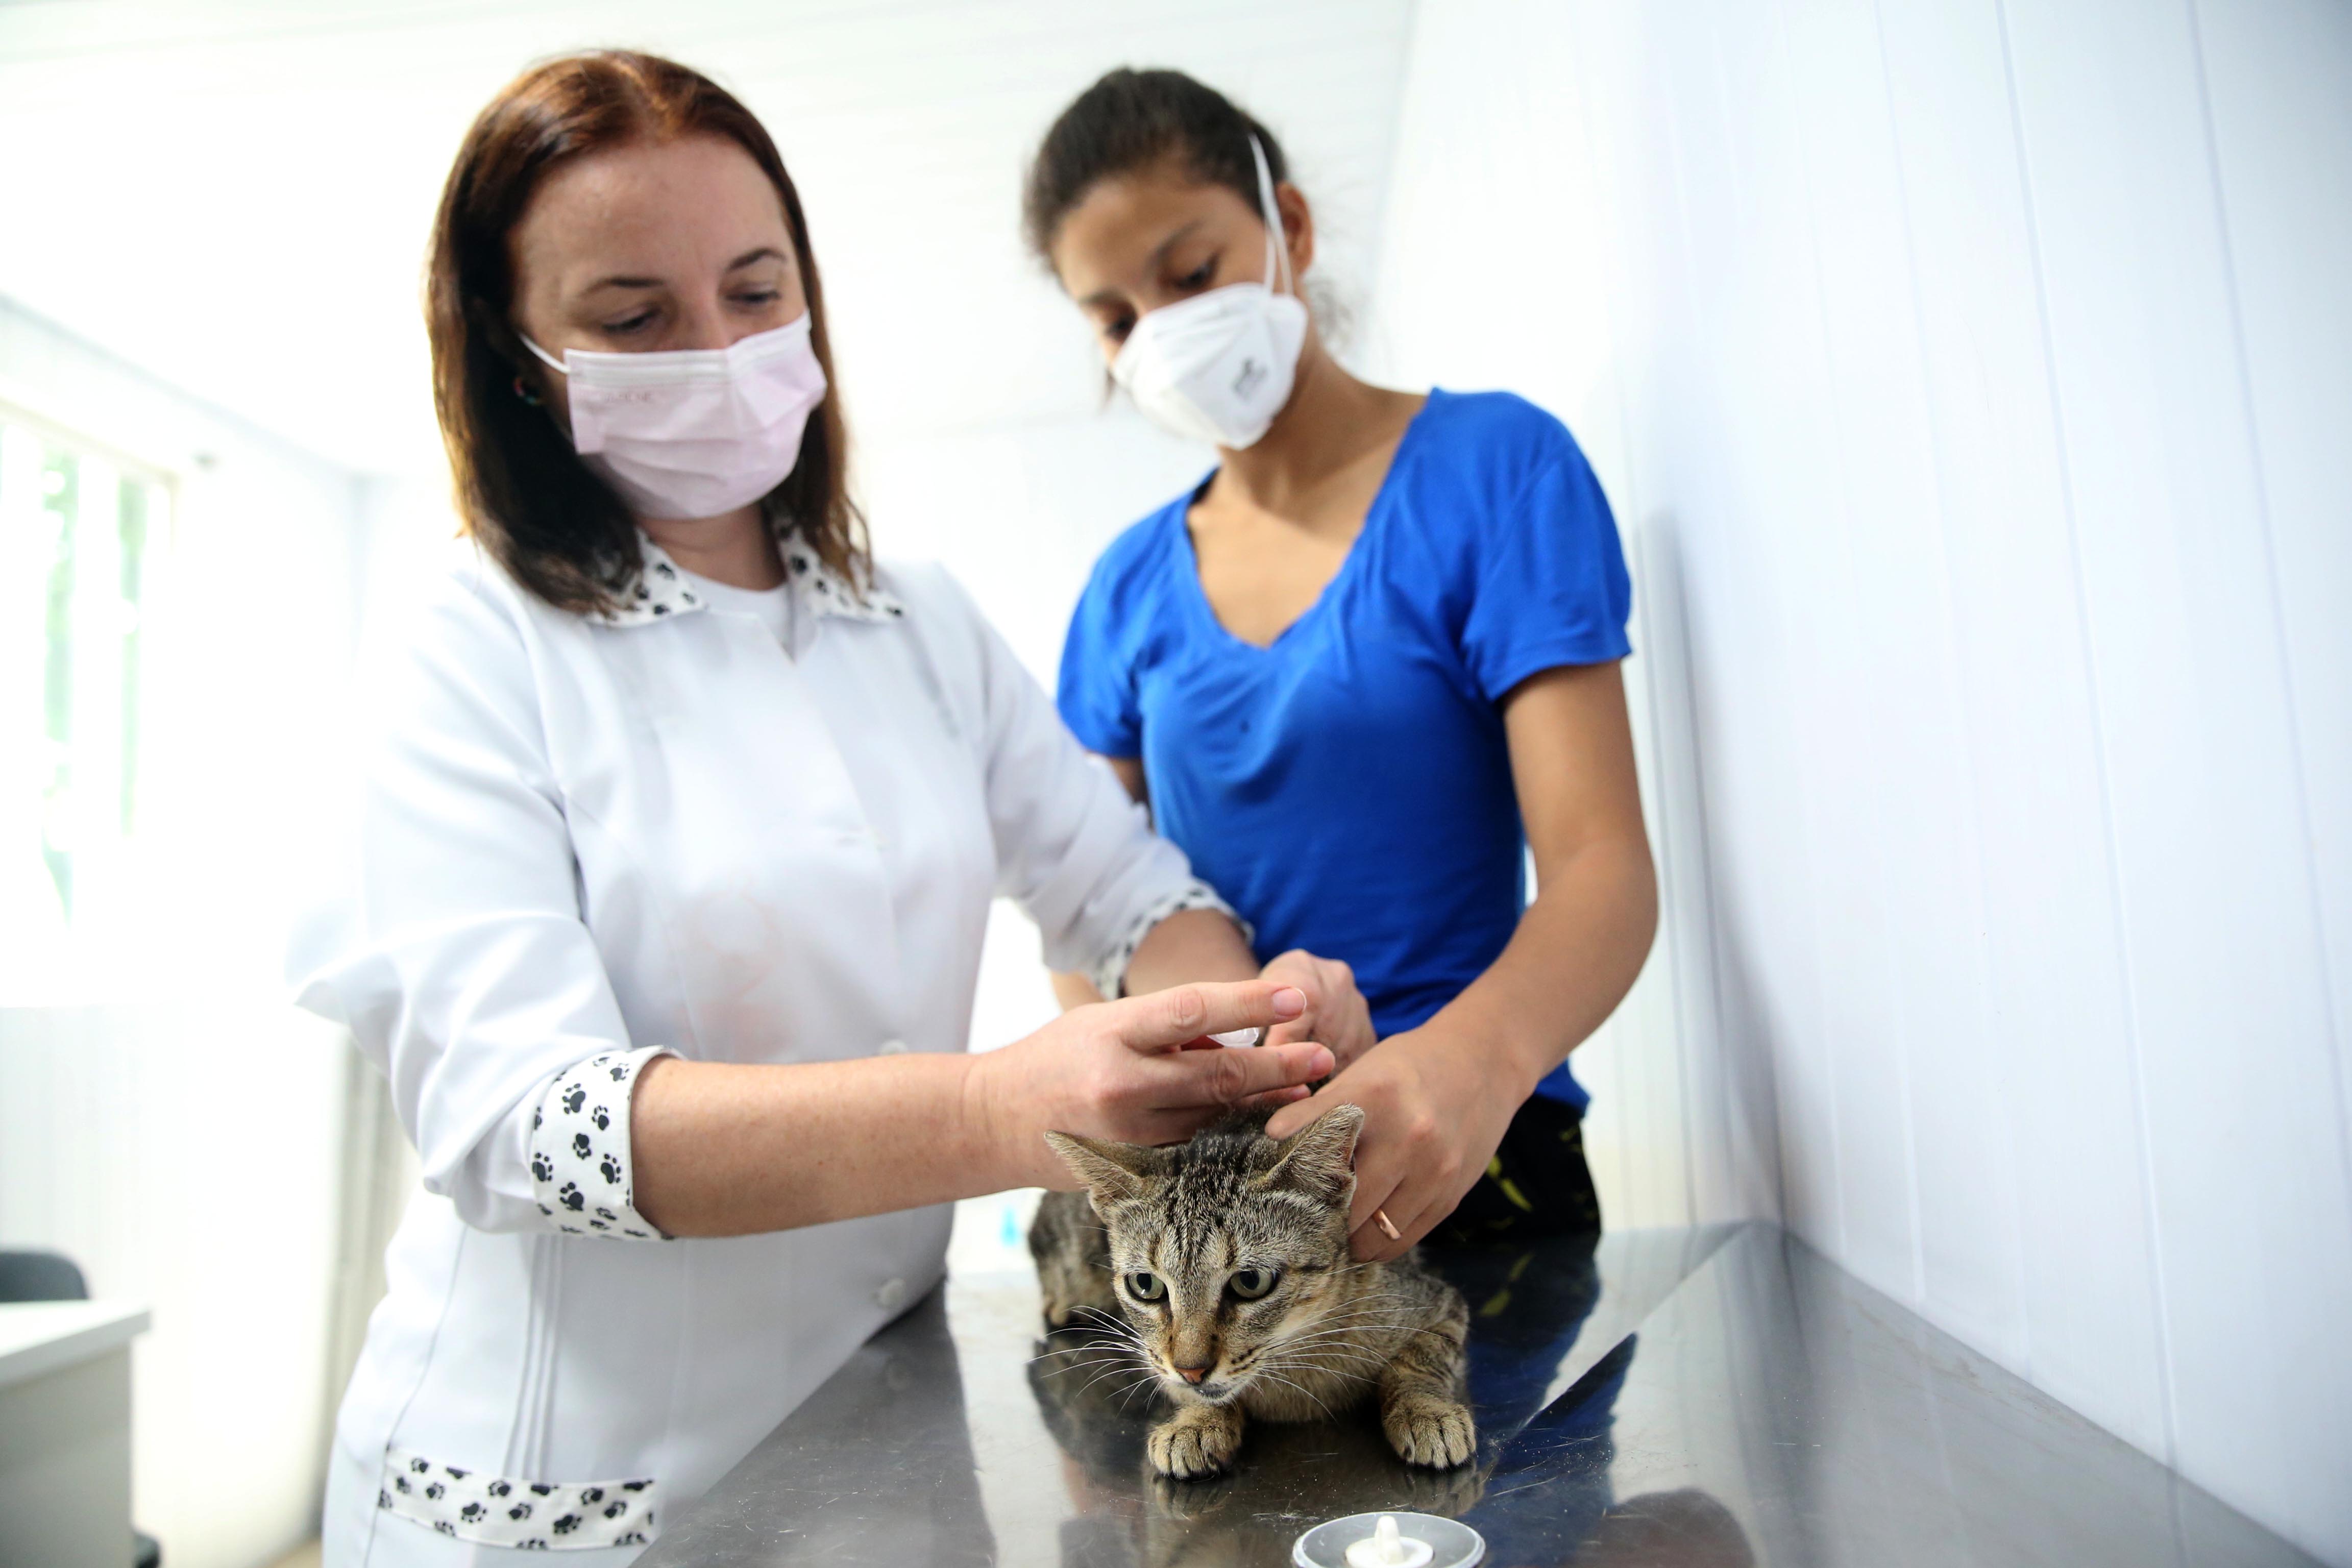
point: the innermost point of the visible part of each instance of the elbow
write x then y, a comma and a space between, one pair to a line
1612, 883
1641, 900
478, 1204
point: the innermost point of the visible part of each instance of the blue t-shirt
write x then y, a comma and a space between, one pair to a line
1349, 789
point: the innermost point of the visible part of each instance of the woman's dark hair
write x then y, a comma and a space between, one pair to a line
1134, 120
522, 491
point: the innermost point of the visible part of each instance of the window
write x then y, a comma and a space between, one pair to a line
80, 531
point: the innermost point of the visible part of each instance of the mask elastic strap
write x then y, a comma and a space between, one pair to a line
1272, 215
548, 358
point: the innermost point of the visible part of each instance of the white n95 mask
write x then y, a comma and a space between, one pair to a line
1219, 366
694, 432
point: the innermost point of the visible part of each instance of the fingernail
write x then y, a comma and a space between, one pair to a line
1319, 1065
1289, 1002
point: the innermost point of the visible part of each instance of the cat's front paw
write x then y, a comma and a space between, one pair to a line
1426, 1430
1196, 1441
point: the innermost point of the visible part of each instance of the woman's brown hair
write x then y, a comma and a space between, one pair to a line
522, 490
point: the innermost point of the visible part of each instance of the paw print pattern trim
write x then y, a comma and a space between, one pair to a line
502, 1510
1110, 971
580, 1149
661, 593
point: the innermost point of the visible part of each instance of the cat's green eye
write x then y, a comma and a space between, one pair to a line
1251, 1284
1145, 1286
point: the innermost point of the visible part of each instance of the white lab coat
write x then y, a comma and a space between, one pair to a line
585, 841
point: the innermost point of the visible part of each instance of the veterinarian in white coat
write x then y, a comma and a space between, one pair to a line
674, 861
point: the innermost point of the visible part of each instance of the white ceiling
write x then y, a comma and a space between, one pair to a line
236, 193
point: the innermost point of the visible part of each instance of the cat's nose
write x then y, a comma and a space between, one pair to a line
1192, 1374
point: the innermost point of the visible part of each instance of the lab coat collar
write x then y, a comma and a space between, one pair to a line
662, 593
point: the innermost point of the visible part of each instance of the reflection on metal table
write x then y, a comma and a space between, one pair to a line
1690, 1398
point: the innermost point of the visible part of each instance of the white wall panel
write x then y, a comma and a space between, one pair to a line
2279, 117
1971, 381
233, 130
1925, 825
166, 1118
185, 1157
2059, 1142
2215, 878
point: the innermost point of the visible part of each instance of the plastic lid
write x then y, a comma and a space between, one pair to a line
1388, 1541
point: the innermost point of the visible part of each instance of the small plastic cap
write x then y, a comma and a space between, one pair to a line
1388, 1541
1239, 1037
1386, 1547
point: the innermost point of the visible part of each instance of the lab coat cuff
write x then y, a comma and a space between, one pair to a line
1110, 971
581, 1168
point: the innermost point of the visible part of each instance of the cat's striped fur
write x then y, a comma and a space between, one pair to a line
1224, 1263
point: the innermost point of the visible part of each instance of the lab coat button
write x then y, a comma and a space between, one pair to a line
892, 1048
891, 1296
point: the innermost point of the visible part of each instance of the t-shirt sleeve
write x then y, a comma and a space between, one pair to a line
1551, 583
1096, 689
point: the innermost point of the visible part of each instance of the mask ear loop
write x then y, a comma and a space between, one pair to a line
547, 359
1275, 238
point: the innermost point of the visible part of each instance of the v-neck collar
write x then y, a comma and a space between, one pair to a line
1189, 554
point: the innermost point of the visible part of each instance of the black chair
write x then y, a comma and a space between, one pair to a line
26, 1275
41, 1276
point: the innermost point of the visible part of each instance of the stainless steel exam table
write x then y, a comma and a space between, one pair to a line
1691, 1398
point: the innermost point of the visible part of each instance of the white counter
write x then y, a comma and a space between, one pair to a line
65, 1431
38, 1337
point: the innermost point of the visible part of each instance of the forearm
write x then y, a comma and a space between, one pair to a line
1576, 953
727, 1148
1189, 946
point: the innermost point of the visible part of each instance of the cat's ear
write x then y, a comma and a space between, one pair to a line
1319, 1159
1111, 1173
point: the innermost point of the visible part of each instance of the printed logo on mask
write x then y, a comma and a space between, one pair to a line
1252, 372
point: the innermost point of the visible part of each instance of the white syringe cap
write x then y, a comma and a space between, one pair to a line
1388, 1541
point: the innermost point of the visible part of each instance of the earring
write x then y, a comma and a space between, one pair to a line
526, 394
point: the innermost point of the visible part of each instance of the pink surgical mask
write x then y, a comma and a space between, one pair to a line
694, 432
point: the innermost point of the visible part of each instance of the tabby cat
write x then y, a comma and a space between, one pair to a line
1226, 1261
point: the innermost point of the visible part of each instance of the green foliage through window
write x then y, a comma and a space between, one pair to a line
71, 659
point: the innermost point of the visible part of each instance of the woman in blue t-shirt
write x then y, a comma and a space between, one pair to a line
1361, 670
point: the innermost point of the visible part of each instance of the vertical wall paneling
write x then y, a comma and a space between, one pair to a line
2280, 123
1971, 377
1735, 1152
2083, 1319
1928, 838
2229, 1009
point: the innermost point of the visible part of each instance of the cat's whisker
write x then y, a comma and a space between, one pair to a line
1358, 1331
1130, 1391
1332, 1349
1293, 1354
1092, 1363
1101, 1318
1347, 1330
1085, 1352
1354, 1311
1147, 1374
